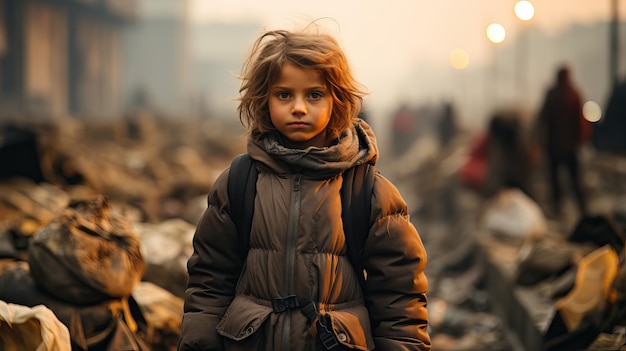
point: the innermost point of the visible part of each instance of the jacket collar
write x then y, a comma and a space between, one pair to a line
356, 145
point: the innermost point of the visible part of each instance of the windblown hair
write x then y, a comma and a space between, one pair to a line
316, 51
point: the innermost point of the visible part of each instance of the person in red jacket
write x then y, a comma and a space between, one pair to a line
564, 130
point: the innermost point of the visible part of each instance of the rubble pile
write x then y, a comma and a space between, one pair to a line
103, 186
505, 276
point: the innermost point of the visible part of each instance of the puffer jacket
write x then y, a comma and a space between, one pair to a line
297, 248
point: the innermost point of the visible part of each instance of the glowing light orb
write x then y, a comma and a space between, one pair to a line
592, 111
459, 59
524, 10
496, 33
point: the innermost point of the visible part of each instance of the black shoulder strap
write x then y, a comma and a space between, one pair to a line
241, 192
356, 201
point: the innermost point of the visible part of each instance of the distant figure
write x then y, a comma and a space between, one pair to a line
609, 133
403, 129
508, 153
563, 131
447, 124
20, 154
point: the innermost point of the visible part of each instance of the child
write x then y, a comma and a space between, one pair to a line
300, 103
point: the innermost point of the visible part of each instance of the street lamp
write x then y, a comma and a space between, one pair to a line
496, 34
525, 11
592, 111
459, 59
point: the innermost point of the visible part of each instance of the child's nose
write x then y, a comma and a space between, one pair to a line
299, 107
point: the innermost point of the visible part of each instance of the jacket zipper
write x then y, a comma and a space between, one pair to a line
292, 238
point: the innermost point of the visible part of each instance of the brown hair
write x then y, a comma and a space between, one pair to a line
305, 49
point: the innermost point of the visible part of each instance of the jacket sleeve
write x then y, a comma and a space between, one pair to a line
214, 268
395, 259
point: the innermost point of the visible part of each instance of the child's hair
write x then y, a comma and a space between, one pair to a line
308, 50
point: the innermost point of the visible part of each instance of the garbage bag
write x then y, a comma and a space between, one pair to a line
87, 254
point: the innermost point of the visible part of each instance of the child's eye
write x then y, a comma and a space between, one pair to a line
283, 95
316, 95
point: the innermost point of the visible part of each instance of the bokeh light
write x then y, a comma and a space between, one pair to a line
524, 10
592, 111
459, 59
496, 33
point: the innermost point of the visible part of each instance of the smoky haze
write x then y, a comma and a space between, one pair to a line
516, 72
182, 57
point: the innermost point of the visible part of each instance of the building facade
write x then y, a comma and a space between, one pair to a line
62, 57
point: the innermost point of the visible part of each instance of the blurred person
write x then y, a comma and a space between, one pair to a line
499, 156
508, 154
563, 131
403, 128
608, 133
448, 125
473, 172
300, 103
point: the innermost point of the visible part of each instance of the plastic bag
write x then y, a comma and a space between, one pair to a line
35, 328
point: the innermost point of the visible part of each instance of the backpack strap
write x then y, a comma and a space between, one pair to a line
356, 203
241, 193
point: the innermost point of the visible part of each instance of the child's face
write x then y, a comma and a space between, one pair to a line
300, 106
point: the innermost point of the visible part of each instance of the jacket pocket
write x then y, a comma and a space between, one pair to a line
351, 327
243, 318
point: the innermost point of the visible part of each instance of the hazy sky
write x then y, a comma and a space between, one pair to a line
383, 39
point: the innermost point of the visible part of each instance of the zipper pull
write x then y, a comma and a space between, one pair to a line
296, 182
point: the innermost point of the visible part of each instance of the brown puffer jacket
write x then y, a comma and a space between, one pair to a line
297, 247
